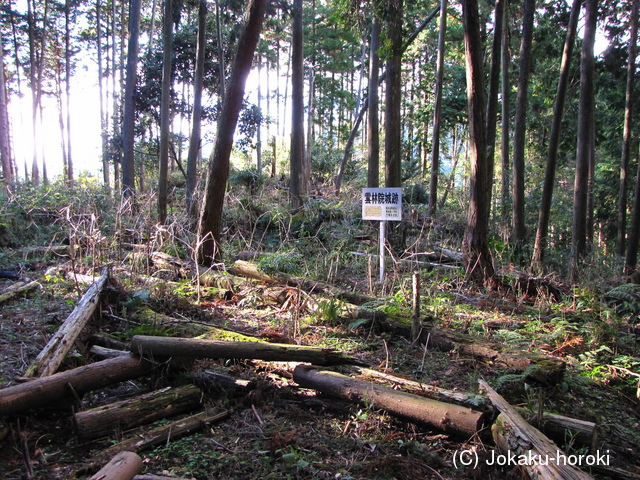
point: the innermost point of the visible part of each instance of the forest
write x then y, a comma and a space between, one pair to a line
193, 287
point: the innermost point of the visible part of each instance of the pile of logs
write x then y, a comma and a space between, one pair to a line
460, 414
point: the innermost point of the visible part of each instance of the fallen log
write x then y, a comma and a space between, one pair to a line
157, 477
15, 289
165, 433
442, 416
125, 414
164, 347
123, 466
104, 352
467, 399
251, 270
534, 452
560, 429
46, 390
187, 269
52, 355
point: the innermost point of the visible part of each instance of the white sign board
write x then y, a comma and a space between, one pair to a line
382, 204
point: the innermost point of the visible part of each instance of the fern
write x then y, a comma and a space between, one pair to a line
626, 299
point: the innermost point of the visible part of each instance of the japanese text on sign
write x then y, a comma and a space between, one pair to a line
382, 204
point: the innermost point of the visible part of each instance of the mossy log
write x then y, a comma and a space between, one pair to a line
16, 289
44, 391
517, 438
123, 466
164, 347
105, 420
251, 270
446, 417
52, 355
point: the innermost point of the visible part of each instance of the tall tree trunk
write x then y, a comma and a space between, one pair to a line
103, 114
373, 133
505, 143
209, 225
5, 137
128, 120
518, 226
455, 154
437, 112
393, 104
475, 247
310, 133
554, 139
494, 86
626, 135
631, 259
165, 109
117, 100
222, 70
297, 182
152, 27
67, 81
585, 120
196, 117
259, 129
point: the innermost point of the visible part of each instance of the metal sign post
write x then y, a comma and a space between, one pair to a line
382, 239
383, 204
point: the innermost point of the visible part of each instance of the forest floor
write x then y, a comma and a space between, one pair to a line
277, 429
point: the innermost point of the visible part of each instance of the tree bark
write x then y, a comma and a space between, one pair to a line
5, 137
584, 147
626, 135
494, 85
165, 110
67, 69
424, 389
347, 150
209, 226
123, 466
125, 414
296, 161
52, 355
373, 132
163, 347
44, 391
128, 119
449, 418
196, 116
554, 140
437, 112
393, 102
103, 115
519, 134
475, 247
505, 141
